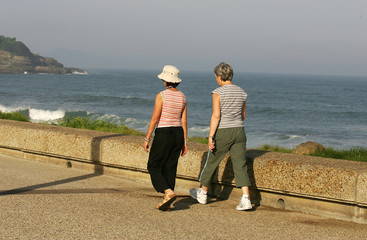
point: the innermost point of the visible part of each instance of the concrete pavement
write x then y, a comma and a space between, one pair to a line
45, 201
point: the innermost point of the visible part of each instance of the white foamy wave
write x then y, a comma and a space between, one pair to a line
296, 136
11, 109
198, 131
130, 120
111, 118
79, 72
45, 115
140, 125
285, 136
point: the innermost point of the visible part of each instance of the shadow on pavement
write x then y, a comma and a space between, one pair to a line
49, 184
65, 191
98, 170
184, 203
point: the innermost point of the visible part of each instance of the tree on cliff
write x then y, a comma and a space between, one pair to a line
14, 47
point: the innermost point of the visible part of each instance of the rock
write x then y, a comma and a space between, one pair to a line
308, 148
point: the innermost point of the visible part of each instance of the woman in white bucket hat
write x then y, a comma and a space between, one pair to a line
169, 120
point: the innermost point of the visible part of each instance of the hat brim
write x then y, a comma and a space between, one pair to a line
169, 78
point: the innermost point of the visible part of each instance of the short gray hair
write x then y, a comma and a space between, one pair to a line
224, 70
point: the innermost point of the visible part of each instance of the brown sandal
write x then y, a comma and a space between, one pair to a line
168, 200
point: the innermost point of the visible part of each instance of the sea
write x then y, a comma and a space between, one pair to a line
282, 109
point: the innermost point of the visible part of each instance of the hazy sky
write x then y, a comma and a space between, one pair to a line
273, 36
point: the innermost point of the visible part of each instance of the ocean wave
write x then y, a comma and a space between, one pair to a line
285, 137
108, 118
86, 98
267, 110
45, 115
12, 109
34, 114
141, 125
198, 131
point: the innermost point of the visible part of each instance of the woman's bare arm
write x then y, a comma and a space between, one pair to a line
154, 120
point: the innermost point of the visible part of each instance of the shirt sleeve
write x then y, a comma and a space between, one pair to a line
217, 91
245, 95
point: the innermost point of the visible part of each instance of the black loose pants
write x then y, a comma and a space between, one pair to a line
163, 157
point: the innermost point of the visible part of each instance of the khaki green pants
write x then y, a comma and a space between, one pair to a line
234, 141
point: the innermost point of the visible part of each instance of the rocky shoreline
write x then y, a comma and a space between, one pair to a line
33, 64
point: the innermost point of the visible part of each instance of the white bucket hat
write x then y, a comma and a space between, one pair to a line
170, 74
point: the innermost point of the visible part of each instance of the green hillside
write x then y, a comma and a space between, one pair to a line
14, 47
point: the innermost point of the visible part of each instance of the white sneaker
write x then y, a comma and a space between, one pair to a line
245, 204
199, 195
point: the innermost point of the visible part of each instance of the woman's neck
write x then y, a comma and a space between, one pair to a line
172, 89
226, 83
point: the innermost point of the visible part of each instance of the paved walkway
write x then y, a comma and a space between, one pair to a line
44, 201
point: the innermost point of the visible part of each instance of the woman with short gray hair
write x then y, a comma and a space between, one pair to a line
226, 134
224, 70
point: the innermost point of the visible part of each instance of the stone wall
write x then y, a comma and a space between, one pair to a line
326, 187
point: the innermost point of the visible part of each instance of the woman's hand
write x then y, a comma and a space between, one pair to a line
211, 144
184, 149
146, 146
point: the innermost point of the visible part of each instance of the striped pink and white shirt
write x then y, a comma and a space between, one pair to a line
173, 104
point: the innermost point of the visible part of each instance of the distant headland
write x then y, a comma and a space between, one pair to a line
15, 57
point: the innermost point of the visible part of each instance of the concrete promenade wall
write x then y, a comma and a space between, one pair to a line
326, 187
